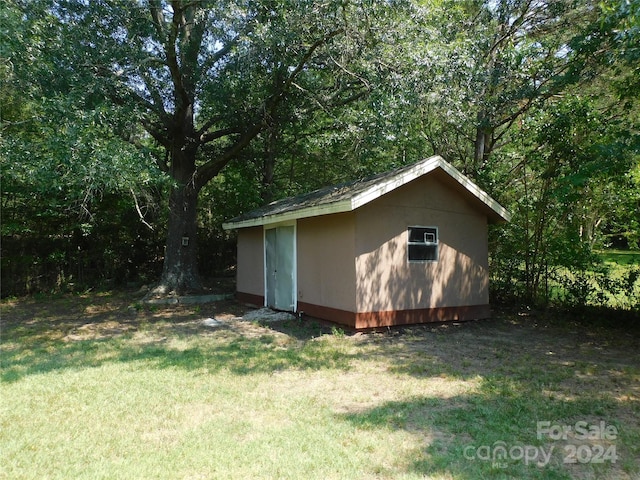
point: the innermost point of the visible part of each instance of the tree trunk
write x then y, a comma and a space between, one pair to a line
269, 164
180, 270
479, 147
482, 147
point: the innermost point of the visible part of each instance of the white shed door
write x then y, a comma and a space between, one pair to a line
280, 267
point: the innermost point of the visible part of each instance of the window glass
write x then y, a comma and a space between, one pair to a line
423, 244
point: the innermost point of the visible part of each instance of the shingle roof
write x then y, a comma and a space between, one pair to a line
349, 196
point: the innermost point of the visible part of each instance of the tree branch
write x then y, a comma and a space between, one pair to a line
306, 57
208, 124
210, 169
158, 105
511, 30
172, 56
135, 200
208, 137
155, 7
191, 41
274, 100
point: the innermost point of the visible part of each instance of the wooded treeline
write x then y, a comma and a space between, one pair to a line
127, 125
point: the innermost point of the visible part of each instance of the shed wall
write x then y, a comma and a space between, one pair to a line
250, 269
387, 282
353, 267
326, 263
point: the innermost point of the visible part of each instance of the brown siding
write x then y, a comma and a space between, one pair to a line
386, 281
326, 261
250, 270
335, 315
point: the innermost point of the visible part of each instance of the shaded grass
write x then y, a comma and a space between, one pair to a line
620, 257
94, 389
242, 356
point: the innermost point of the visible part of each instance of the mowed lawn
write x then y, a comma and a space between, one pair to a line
96, 386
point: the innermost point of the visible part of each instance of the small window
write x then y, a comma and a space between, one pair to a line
423, 244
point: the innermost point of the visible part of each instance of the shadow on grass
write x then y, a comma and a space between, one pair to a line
39, 337
302, 329
241, 355
460, 431
525, 370
530, 349
74, 332
522, 370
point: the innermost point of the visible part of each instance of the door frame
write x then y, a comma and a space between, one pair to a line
294, 263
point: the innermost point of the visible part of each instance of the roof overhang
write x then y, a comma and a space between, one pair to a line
314, 211
496, 212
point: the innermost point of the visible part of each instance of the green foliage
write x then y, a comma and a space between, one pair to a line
568, 181
69, 197
109, 107
205, 81
79, 179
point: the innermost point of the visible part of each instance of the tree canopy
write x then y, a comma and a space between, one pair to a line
171, 116
200, 80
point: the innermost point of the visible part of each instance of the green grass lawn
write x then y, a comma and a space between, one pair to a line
612, 283
94, 388
621, 257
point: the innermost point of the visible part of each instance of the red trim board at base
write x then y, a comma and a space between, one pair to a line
363, 320
426, 315
250, 298
335, 315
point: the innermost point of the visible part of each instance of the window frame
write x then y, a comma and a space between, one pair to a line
435, 244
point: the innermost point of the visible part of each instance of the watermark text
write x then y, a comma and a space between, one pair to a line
597, 446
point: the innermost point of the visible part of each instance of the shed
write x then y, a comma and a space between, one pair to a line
404, 247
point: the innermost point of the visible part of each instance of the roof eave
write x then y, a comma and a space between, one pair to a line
396, 181
496, 212
312, 211
502, 214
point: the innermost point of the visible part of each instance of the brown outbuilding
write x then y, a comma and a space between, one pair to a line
404, 247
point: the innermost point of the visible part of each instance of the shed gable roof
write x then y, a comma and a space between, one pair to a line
347, 197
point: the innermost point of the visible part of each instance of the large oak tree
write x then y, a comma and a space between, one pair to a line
201, 79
